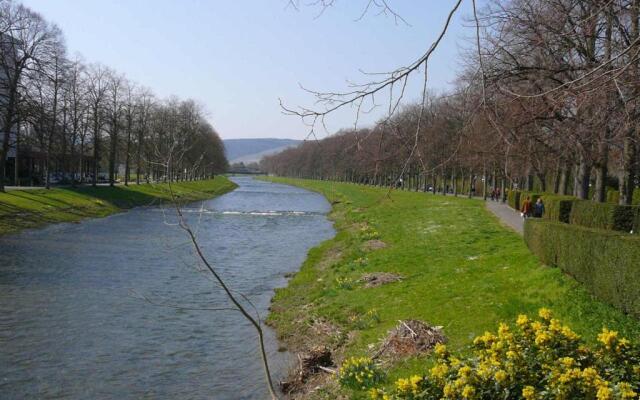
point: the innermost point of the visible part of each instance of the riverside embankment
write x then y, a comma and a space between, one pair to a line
460, 268
21, 209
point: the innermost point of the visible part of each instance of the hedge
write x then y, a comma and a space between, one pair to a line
605, 262
513, 199
613, 196
604, 216
558, 208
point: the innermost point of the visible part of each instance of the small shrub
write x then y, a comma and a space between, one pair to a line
345, 283
369, 233
359, 373
513, 199
537, 359
366, 320
359, 263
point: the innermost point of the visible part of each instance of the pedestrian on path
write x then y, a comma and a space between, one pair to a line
538, 208
526, 208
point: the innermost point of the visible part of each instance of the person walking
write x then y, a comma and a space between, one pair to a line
526, 208
538, 208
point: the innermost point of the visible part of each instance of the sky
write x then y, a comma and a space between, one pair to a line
237, 58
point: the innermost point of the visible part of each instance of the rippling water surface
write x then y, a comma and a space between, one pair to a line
74, 322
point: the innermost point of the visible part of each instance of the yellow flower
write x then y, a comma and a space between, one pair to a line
569, 334
440, 350
590, 376
500, 376
484, 371
522, 320
604, 393
449, 390
542, 337
468, 391
567, 362
536, 325
529, 393
608, 338
545, 314
626, 391
403, 385
439, 371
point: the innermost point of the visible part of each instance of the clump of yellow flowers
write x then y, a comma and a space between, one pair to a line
369, 233
537, 359
359, 373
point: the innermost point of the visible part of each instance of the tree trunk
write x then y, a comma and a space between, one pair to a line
583, 177
16, 164
8, 122
627, 176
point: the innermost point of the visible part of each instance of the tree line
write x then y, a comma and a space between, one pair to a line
548, 98
64, 120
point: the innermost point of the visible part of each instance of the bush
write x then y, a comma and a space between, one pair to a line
537, 359
605, 262
359, 373
603, 215
613, 196
558, 208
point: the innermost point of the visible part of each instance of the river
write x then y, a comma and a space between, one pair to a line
79, 313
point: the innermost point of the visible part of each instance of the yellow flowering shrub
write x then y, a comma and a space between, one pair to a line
369, 233
537, 359
366, 320
359, 373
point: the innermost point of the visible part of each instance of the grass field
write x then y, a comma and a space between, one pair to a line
462, 270
20, 209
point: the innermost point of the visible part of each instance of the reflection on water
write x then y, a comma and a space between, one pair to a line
74, 323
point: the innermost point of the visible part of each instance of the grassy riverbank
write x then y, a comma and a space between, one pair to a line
21, 209
462, 270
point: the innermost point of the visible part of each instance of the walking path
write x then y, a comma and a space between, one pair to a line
506, 215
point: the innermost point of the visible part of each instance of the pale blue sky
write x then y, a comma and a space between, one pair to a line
238, 57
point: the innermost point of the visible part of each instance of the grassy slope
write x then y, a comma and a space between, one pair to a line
463, 271
22, 209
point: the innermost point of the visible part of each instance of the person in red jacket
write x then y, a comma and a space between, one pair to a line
526, 208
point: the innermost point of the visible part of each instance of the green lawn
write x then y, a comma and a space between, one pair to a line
463, 270
22, 209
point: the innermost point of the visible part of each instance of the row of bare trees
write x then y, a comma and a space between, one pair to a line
64, 120
548, 98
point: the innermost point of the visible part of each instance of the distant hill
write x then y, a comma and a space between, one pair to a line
252, 150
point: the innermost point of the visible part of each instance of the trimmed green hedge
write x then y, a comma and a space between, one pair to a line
606, 262
604, 216
558, 208
613, 196
513, 199
587, 213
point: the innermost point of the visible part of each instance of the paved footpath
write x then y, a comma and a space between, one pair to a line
507, 215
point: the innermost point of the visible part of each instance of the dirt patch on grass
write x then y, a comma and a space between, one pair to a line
313, 367
408, 338
330, 258
375, 244
376, 279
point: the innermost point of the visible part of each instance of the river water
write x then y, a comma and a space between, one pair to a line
79, 313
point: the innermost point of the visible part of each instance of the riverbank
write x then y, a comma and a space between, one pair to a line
460, 268
22, 209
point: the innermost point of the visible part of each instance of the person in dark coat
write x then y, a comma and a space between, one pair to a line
538, 208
